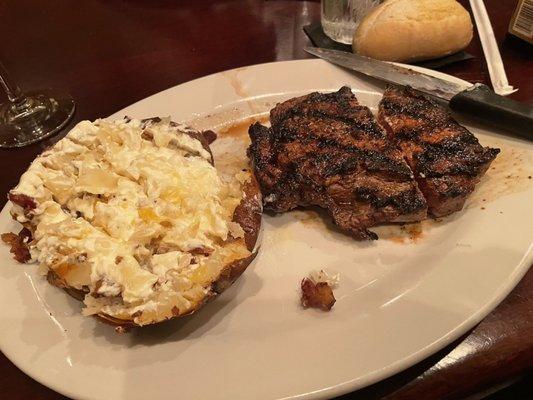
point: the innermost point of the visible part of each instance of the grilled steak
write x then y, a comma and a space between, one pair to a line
328, 150
446, 158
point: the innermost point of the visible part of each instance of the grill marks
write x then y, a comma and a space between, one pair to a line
447, 159
328, 150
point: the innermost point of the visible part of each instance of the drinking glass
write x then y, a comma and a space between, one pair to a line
340, 18
29, 117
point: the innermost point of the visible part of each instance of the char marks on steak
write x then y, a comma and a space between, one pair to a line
328, 150
446, 158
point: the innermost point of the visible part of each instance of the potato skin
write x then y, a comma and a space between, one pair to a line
247, 214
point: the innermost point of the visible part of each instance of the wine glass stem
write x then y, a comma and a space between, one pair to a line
28, 118
14, 94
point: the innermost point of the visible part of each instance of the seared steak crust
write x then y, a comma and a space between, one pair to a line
446, 158
328, 150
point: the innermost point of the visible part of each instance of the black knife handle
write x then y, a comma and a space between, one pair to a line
482, 103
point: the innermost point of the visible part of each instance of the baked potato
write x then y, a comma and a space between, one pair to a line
132, 218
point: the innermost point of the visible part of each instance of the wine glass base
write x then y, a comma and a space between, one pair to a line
45, 113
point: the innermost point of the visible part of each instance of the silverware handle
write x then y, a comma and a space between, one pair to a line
495, 110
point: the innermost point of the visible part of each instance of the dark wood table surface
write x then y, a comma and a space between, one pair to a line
109, 54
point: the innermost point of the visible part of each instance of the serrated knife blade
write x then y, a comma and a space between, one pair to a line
391, 73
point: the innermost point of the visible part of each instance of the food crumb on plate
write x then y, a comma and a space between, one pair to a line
121, 329
18, 244
317, 290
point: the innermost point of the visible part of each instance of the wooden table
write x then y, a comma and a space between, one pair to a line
109, 54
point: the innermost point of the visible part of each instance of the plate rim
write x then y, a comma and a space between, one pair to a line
416, 68
370, 378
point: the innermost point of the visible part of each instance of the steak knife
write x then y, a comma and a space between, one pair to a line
477, 101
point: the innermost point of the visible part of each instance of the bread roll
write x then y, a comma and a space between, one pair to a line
412, 30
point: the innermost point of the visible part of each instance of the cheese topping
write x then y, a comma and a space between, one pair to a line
129, 208
323, 276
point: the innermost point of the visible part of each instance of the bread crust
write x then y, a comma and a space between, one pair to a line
407, 30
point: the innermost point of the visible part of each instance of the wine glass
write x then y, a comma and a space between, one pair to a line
29, 117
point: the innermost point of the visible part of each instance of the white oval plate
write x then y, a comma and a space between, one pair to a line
399, 299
